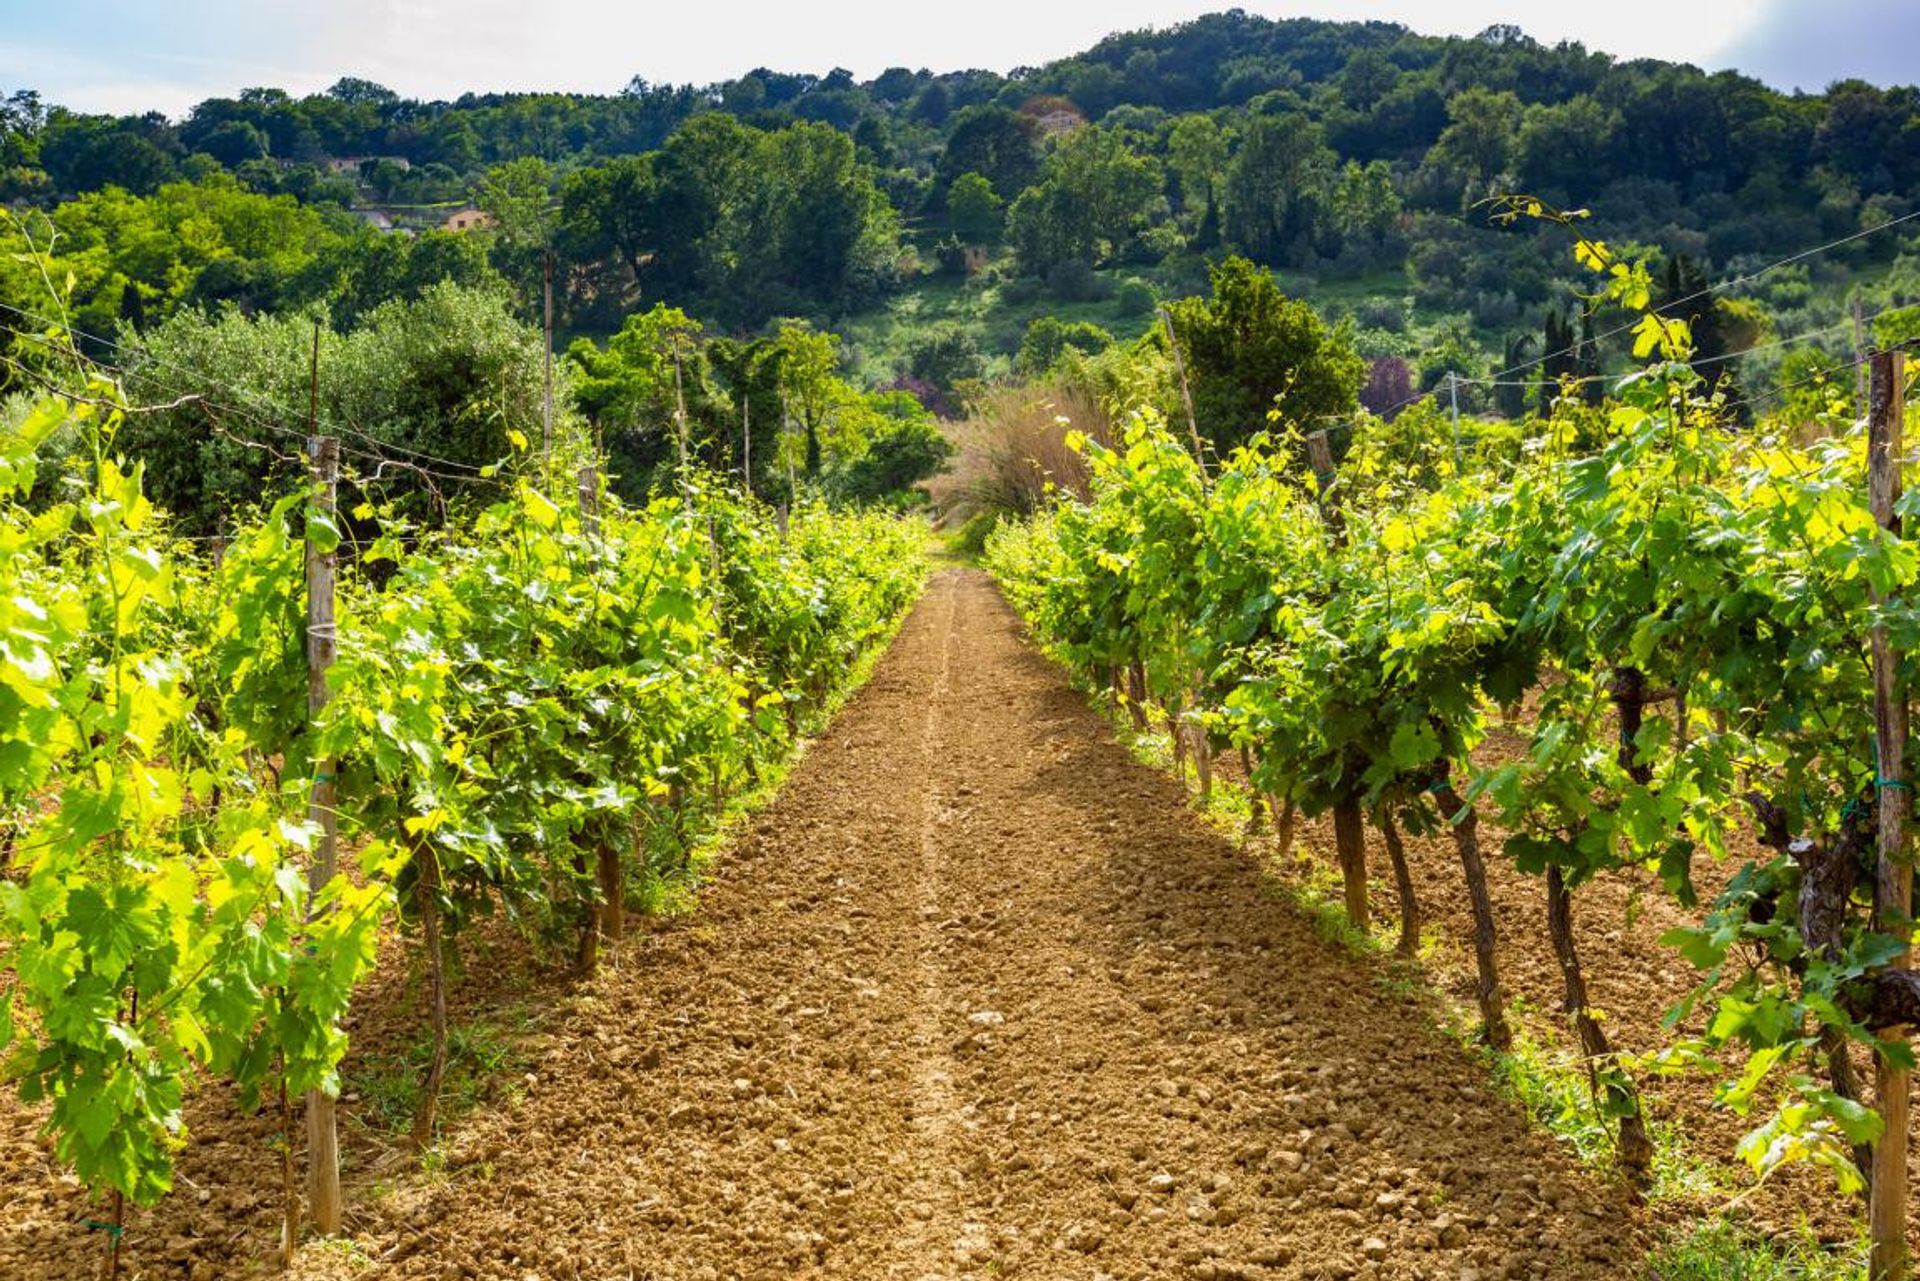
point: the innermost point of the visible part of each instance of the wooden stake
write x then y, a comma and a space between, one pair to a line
546, 408
679, 410
1860, 362
610, 918
426, 889
1254, 810
1893, 882
746, 444
323, 1139
1320, 460
1186, 393
786, 447
1202, 751
289, 1196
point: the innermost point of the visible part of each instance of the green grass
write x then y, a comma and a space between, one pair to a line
881, 339
479, 1054
1722, 1251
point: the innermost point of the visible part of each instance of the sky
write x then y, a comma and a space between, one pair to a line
138, 55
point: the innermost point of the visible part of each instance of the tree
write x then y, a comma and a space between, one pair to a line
902, 445
810, 388
1090, 200
632, 390
945, 358
83, 155
356, 92
1276, 188
236, 142
1476, 147
1250, 350
1365, 205
974, 209
1389, 387
612, 211
1197, 154
1511, 397
450, 374
993, 142
519, 196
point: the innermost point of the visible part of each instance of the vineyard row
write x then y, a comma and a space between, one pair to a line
523, 712
1700, 629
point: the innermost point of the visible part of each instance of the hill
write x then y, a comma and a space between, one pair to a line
929, 216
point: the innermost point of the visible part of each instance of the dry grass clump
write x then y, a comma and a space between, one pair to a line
1011, 446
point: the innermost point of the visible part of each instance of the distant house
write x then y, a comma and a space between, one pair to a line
376, 218
467, 219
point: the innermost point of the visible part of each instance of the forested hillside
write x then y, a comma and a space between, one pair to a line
927, 217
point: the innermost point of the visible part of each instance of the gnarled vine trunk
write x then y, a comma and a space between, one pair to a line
1254, 811
1137, 693
1403, 884
1350, 841
612, 912
1466, 842
1635, 1150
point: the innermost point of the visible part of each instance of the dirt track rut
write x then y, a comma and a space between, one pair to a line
977, 996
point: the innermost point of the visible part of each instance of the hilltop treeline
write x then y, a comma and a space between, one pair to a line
1342, 151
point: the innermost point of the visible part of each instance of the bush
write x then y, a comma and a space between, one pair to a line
1077, 282
1011, 451
1134, 297
1389, 314
898, 458
945, 358
1049, 338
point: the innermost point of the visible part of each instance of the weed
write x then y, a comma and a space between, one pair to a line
478, 1054
1723, 1251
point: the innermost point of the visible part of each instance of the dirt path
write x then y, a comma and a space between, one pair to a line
977, 996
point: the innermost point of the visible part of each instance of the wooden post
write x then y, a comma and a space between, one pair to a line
679, 409
610, 919
1453, 398
1893, 883
1186, 393
786, 447
323, 1139
1320, 460
1860, 390
1202, 750
590, 500
546, 407
746, 444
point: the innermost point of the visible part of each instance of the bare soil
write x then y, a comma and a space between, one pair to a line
977, 995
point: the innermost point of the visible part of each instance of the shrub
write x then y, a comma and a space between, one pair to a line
1134, 297
1048, 338
1012, 448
